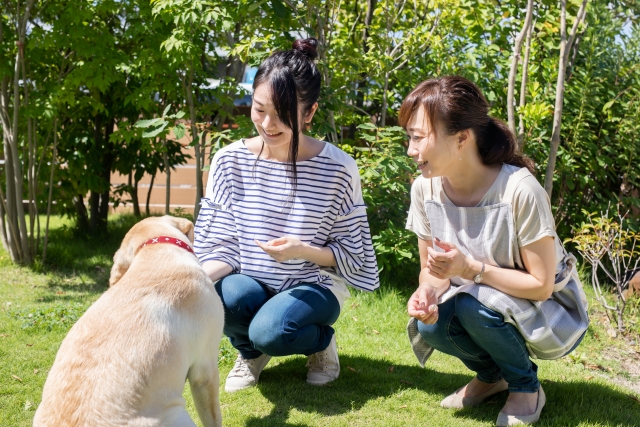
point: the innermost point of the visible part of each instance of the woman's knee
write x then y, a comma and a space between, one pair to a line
241, 295
435, 334
268, 336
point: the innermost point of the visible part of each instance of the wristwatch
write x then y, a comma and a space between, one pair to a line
477, 279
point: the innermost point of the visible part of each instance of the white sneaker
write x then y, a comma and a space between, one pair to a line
324, 366
245, 373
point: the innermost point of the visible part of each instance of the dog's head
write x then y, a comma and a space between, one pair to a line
141, 232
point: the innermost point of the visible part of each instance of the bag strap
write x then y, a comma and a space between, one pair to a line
427, 189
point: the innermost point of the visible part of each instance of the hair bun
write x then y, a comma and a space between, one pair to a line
308, 47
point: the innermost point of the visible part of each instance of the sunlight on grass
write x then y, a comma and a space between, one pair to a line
380, 384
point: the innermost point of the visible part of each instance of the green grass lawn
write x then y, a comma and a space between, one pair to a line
381, 384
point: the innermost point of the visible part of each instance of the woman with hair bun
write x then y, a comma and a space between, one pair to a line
496, 286
283, 228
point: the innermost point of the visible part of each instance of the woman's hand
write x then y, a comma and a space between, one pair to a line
451, 263
423, 305
284, 248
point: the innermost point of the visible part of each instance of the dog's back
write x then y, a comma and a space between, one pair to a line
125, 361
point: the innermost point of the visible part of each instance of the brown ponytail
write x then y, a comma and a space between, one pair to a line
459, 104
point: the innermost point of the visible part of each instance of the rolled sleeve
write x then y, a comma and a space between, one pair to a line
350, 242
216, 237
532, 211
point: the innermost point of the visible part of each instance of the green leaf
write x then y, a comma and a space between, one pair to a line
179, 131
155, 132
166, 110
256, 5
279, 9
367, 126
148, 123
570, 184
405, 254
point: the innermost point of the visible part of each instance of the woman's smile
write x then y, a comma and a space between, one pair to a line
272, 134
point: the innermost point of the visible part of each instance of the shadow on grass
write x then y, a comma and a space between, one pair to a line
80, 264
72, 252
576, 403
568, 403
284, 386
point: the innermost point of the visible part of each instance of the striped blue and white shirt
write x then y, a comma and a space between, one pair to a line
247, 200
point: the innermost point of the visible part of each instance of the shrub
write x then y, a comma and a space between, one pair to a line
387, 172
609, 246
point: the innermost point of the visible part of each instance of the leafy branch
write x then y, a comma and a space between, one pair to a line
609, 245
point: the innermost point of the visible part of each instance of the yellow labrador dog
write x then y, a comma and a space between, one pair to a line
125, 362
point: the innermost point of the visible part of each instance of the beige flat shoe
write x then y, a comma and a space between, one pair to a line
505, 420
456, 401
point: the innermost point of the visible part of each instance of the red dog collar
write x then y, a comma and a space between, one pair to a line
167, 239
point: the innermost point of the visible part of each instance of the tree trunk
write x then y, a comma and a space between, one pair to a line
565, 48
323, 45
94, 198
133, 186
136, 202
106, 175
523, 88
167, 171
3, 228
383, 112
13, 240
99, 199
94, 209
17, 179
146, 210
514, 67
81, 213
194, 137
17, 233
50, 198
31, 161
362, 84
234, 70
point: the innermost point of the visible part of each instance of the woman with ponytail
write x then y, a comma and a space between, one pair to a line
283, 228
496, 286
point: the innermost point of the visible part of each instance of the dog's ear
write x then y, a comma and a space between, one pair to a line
185, 226
121, 263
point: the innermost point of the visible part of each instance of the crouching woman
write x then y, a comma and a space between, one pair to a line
496, 287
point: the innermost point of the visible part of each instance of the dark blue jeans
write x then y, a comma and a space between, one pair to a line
481, 339
294, 321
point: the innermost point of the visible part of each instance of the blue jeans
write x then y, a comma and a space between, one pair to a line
481, 339
294, 321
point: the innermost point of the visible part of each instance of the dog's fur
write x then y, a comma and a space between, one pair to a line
125, 362
633, 285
